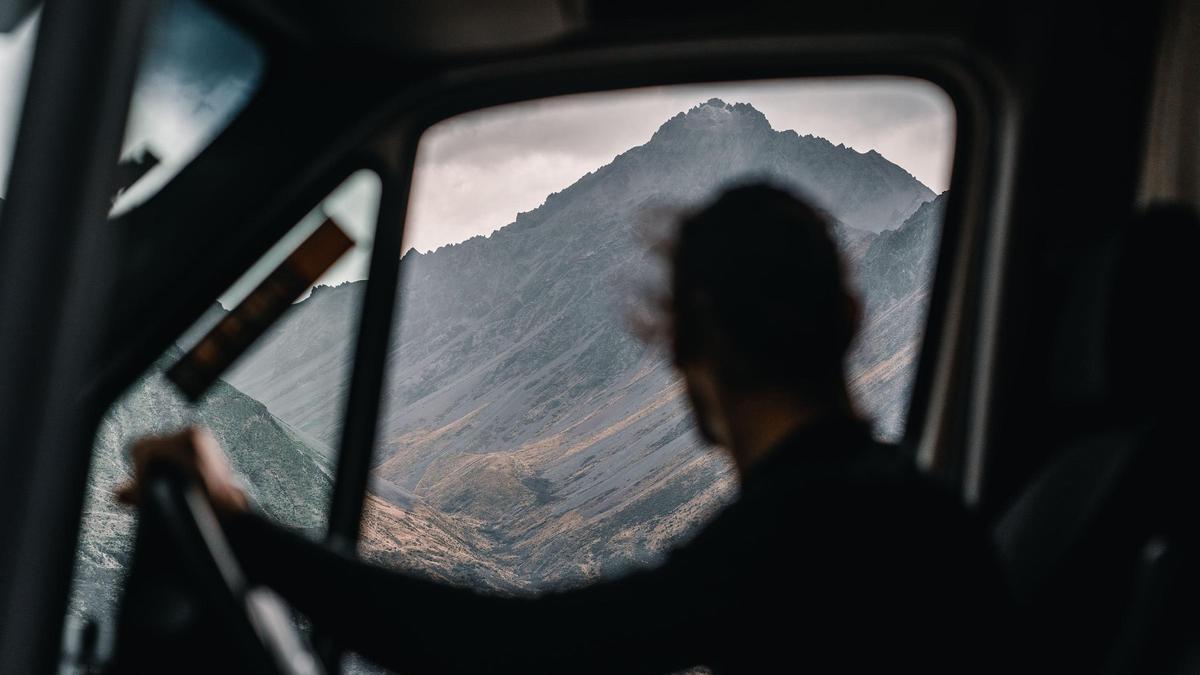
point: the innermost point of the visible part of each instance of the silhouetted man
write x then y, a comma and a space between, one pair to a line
837, 556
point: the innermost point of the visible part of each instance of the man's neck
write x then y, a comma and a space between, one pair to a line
759, 423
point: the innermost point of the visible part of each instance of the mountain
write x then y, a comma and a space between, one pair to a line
520, 407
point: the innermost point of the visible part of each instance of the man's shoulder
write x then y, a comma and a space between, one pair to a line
828, 484
841, 483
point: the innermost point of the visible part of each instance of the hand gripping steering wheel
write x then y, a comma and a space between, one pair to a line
218, 604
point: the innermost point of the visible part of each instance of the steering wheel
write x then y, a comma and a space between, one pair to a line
168, 626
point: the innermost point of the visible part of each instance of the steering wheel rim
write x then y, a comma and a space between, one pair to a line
253, 617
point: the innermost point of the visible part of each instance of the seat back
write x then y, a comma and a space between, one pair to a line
1109, 524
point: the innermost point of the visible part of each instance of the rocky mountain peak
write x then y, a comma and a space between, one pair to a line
714, 115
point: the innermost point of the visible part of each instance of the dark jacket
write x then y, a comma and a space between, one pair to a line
837, 557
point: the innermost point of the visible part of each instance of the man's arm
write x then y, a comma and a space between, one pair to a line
652, 621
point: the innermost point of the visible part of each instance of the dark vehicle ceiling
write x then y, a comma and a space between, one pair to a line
466, 30
1059, 86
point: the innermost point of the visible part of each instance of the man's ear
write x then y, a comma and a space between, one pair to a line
852, 314
705, 398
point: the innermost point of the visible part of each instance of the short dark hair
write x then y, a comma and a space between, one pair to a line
758, 284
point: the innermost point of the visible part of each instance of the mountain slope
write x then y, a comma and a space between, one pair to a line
284, 477
894, 275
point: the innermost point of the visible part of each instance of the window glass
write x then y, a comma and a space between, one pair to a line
197, 71
287, 468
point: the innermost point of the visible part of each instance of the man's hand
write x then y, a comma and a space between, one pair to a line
197, 451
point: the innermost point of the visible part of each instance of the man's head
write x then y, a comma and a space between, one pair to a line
759, 308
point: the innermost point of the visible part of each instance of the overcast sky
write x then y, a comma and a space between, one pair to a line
475, 172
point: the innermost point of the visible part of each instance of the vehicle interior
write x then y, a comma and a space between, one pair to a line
1060, 263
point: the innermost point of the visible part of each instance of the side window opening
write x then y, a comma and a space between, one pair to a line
288, 471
